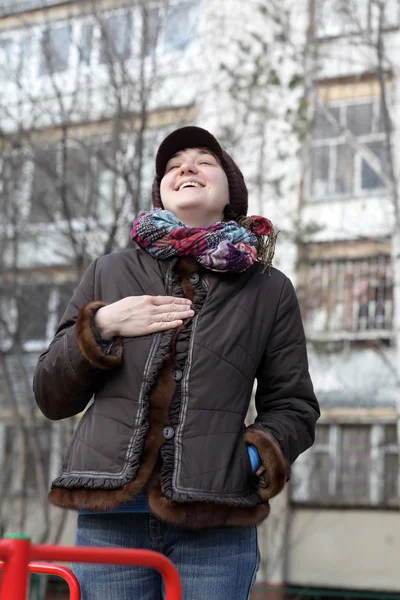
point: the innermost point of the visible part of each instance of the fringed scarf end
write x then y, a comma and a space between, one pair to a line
266, 242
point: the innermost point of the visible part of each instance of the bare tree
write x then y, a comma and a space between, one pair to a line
77, 146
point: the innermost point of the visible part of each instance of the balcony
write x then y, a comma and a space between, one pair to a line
348, 299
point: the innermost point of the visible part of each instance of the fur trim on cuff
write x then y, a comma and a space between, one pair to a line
272, 459
87, 342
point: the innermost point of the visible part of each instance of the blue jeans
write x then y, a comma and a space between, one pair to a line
218, 563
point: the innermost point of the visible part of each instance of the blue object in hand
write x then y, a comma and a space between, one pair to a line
254, 457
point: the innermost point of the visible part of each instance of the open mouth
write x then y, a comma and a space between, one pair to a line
189, 184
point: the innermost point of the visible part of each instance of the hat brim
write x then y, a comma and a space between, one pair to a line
185, 137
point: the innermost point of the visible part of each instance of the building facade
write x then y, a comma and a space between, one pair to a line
305, 96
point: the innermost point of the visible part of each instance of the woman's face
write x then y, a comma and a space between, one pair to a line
195, 187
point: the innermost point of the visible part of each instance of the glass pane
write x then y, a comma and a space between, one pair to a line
79, 181
322, 128
322, 435
151, 26
370, 180
25, 55
55, 50
391, 10
391, 434
344, 169
86, 43
320, 478
42, 436
11, 178
355, 465
110, 182
180, 26
391, 477
7, 307
66, 292
380, 126
116, 38
32, 304
320, 161
327, 21
44, 199
6, 48
359, 118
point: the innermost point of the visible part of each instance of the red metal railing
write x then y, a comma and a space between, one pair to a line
19, 556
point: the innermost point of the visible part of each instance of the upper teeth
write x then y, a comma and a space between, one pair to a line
193, 183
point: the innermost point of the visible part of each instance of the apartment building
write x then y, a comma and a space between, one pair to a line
343, 532
88, 90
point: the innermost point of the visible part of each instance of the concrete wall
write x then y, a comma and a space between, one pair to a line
346, 549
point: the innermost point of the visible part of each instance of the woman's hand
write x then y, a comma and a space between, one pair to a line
141, 315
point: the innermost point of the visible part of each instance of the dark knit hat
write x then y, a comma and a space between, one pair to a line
196, 137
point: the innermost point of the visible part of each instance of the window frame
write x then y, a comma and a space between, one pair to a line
333, 142
378, 450
51, 315
347, 28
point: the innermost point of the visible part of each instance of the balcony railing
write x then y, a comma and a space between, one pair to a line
348, 299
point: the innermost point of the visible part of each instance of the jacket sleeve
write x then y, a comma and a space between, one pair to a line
287, 409
72, 368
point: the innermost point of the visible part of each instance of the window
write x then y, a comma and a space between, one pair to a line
15, 58
63, 183
349, 465
52, 184
179, 25
116, 38
19, 375
341, 17
353, 297
33, 311
33, 308
55, 50
336, 168
40, 434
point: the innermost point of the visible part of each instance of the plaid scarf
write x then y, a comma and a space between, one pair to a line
226, 246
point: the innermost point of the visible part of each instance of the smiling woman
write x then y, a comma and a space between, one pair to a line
195, 187
162, 458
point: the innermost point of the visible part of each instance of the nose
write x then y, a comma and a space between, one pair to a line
188, 167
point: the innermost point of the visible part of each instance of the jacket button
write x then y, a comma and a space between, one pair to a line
177, 374
194, 278
168, 432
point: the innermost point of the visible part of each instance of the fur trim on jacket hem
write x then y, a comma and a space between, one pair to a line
88, 344
198, 515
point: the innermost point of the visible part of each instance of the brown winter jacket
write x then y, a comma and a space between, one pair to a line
168, 409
